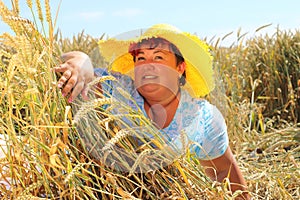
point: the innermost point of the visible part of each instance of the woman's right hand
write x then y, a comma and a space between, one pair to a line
77, 71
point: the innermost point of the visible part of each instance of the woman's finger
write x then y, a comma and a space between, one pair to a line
67, 74
65, 77
76, 91
84, 93
69, 85
62, 67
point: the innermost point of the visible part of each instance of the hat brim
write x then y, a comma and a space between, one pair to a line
199, 71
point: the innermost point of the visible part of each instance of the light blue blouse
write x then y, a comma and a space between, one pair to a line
200, 121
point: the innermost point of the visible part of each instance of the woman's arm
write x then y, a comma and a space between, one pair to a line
226, 166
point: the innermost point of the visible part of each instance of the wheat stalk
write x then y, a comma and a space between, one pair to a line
140, 158
33, 186
29, 3
39, 9
89, 106
73, 172
119, 136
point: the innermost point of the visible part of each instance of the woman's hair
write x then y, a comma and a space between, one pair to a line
134, 49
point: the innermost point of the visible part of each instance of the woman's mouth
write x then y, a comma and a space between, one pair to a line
146, 77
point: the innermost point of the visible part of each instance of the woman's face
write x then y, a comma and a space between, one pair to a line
156, 72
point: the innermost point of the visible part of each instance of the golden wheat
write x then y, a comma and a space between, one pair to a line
89, 106
261, 83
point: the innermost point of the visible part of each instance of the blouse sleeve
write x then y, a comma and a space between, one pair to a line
123, 81
213, 141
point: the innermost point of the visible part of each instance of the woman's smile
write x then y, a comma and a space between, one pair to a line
146, 77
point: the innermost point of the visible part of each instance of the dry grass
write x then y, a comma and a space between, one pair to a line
47, 156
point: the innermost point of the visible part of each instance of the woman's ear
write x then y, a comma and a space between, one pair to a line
181, 67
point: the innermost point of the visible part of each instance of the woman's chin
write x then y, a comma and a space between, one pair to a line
151, 90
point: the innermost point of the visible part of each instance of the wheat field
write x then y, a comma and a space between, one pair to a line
50, 149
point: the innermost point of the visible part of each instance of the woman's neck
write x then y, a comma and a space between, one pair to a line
162, 112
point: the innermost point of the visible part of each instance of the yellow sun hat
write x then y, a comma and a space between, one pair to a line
199, 71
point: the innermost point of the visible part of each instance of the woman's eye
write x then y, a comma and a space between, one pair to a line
158, 58
140, 58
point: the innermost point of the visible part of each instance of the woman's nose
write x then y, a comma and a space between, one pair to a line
149, 66
146, 66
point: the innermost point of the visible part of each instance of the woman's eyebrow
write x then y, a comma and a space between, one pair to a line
140, 52
160, 51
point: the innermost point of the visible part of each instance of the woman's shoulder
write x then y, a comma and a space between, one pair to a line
196, 103
200, 107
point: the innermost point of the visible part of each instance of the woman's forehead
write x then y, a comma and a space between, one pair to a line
157, 46
153, 43
153, 51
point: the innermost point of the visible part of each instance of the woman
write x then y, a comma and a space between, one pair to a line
172, 70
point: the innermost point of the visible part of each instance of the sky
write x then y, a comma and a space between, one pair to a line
208, 19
